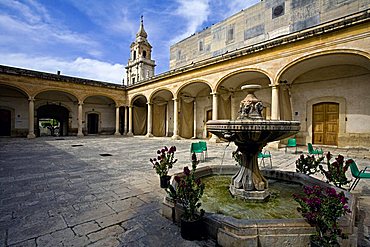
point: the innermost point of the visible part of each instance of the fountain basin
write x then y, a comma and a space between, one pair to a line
229, 231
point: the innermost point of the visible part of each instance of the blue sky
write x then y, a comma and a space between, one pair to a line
91, 38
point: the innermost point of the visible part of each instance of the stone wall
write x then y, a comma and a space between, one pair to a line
263, 21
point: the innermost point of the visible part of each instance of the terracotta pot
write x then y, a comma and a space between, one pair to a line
192, 230
164, 181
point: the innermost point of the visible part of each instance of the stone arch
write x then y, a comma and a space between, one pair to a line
154, 92
100, 95
139, 114
56, 112
18, 88
62, 90
230, 94
14, 114
239, 71
286, 67
162, 107
193, 98
104, 108
135, 96
185, 84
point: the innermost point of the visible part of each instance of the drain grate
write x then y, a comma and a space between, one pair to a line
76, 145
105, 154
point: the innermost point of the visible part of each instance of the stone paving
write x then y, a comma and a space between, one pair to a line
63, 192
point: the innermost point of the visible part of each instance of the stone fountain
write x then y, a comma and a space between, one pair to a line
251, 133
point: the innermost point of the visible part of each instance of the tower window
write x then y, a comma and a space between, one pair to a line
134, 56
144, 54
133, 80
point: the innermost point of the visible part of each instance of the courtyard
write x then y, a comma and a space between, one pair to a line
102, 191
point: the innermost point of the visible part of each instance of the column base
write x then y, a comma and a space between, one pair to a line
175, 137
31, 136
149, 135
80, 135
130, 134
214, 139
117, 134
273, 145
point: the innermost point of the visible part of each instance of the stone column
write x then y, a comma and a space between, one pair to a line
79, 119
195, 119
233, 113
150, 121
275, 108
214, 138
31, 117
117, 122
167, 119
126, 120
175, 119
129, 133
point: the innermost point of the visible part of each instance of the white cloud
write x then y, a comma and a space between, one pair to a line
195, 12
80, 67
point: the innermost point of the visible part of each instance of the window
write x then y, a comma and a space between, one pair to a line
144, 54
134, 55
133, 80
230, 33
201, 45
178, 55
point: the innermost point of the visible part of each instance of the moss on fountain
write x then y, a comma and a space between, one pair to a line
217, 199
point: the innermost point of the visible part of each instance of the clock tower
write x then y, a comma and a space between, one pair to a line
140, 66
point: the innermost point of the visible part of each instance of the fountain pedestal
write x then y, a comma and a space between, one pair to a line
251, 133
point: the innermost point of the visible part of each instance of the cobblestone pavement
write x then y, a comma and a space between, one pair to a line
63, 192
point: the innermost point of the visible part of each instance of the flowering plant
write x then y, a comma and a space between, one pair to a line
308, 165
188, 192
336, 172
165, 160
322, 207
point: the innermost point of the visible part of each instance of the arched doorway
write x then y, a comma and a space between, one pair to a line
325, 120
139, 115
54, 118
92, 123
5, 122
162, 112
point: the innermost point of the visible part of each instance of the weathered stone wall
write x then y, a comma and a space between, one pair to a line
263, 21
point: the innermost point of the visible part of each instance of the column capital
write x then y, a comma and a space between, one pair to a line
80, 102
31, 98
215, 93
175, 99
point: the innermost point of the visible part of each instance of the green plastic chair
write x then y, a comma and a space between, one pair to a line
358, 174
197, 149
292, 142
264, 156
203, 145
313, 151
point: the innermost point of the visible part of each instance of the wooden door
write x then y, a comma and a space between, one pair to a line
325, 123
5, 122
209, 117
92, 123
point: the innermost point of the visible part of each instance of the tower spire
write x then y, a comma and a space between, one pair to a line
141, 32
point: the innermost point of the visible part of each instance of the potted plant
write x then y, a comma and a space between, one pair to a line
187, 192
322, 207
336, 173
163, 163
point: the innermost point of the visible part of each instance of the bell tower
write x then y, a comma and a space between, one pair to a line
140, 66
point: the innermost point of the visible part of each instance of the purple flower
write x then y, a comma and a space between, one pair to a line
186, 171
158, 151
177, 179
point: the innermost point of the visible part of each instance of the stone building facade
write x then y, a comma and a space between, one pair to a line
318, 75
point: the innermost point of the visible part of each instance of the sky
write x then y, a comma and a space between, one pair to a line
91, 38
